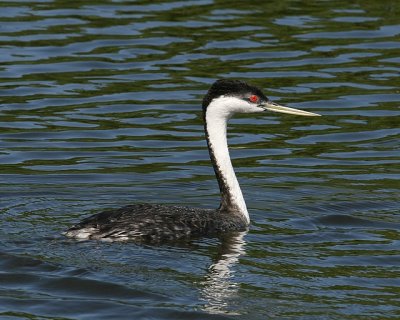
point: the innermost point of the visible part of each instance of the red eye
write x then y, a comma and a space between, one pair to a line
253, 98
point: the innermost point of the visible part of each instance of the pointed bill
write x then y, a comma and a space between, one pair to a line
274, 107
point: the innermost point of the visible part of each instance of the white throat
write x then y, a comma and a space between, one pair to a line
216, 119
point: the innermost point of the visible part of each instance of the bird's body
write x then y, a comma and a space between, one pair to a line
154, 223
158, 223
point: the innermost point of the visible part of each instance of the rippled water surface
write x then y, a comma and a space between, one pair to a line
100, 107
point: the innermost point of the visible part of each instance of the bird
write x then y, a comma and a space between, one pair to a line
157, 223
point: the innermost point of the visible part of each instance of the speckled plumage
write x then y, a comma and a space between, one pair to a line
155, 223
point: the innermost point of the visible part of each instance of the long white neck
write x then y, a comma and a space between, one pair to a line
232, 200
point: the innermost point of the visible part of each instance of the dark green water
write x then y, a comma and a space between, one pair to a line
100, 107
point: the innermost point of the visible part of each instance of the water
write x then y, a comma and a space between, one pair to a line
100, 107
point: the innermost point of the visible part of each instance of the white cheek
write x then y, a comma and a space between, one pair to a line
228, 106
252, 109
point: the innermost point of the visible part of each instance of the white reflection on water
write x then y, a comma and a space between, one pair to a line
219, 286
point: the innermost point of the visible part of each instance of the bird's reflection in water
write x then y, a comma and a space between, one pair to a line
219, 287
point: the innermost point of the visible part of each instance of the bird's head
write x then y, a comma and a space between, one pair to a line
229, 97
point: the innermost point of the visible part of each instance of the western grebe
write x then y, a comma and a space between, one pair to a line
157, 223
